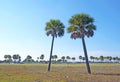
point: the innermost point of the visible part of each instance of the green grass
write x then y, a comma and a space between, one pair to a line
59, 73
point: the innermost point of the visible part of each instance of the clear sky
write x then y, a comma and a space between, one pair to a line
22, 27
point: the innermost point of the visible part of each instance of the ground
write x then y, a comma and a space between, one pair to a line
59, 73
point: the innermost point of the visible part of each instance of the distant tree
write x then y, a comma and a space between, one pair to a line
19, 59
102, 58
80, 58
5, 56
109, 58
29, 59
55, 28
42, 57
92, 58
83, 58
63, 58
96, 58
55, 57
8, 58
16, 58
81, 25
68, 57
52, 57
73, 58
59, 60
37, 59
116, 59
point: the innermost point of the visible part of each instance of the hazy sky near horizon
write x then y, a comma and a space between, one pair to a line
22, 27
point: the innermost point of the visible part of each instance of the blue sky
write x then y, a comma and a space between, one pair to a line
22, 27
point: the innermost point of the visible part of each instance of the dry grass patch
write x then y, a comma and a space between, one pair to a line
60, 73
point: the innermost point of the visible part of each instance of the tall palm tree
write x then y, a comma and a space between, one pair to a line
81, 25
55, 28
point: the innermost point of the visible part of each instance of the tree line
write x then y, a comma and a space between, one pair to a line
16, 58
105, 59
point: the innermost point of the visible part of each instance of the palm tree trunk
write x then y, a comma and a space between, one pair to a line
86, 57
49, 65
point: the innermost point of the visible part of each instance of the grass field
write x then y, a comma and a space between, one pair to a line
59, 73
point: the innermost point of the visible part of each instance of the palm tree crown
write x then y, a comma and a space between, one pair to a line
81, 25
54, 28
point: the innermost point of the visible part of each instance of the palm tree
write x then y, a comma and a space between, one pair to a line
28, 59
92, 58
96, 58
9, 59
68, 58
73, 58
55, 28
102, 58
37, 59
83, 58
5, 56
63, 58
19, 59
16, 58
42, 58
118, 59
109, 58
55, 57
81, 25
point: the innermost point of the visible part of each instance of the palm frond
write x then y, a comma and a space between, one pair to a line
81, 25
91, 27
89, 33
72, 29
76, 35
